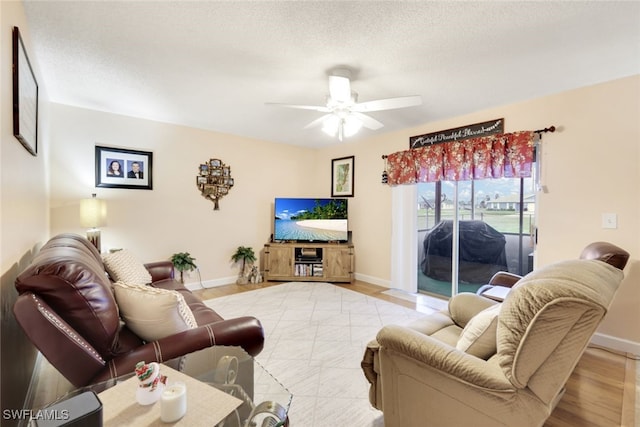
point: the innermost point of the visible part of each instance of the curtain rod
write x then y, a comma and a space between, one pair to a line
545, 130
549, 129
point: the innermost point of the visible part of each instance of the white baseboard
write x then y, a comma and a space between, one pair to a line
373, 280
615, 343
194, 286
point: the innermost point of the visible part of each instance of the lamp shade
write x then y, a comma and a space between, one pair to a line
93, 212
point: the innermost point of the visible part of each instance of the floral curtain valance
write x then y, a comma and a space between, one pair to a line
506, 155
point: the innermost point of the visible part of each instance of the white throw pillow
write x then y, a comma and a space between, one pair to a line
479, 335
123, 266
153, 313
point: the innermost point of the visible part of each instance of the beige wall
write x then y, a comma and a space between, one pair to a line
24, 177
590, 166
24, 212
174, 217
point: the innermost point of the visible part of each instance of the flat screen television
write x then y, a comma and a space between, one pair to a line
310, 220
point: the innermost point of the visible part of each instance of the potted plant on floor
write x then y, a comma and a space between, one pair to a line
183, 261
246, 255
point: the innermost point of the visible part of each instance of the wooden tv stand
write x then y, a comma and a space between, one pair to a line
309, 262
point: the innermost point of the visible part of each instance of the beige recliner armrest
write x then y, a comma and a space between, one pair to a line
444, 358
464, 306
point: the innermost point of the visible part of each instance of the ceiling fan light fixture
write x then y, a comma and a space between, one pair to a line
351, 125
341, 125
344, 115
331, 124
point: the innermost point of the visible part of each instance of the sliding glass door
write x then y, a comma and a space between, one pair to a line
468, 230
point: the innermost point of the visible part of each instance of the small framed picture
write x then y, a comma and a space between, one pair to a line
25, 97
122, 168
342, 177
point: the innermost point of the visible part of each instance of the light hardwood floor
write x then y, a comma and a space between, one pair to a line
599, 393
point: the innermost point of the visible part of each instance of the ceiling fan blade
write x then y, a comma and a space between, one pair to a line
320, 108
317, 122
367, 121
388, 104
339, 88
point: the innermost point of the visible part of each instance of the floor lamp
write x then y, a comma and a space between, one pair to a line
93, 214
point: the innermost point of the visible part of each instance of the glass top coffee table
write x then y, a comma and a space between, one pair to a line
264, 402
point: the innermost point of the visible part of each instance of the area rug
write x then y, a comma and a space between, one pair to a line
315, 338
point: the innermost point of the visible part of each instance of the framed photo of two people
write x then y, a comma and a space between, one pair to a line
122, 168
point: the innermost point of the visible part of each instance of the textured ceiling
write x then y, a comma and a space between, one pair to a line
213, 65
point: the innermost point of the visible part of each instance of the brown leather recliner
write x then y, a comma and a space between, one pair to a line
602, 251
67, 308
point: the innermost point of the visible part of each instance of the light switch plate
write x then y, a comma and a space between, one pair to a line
609, 220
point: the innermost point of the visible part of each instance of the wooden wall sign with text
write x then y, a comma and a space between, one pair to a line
458, 134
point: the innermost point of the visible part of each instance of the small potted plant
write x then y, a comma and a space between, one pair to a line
183, 261
246, 255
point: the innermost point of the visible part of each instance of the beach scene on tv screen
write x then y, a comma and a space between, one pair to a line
310, 219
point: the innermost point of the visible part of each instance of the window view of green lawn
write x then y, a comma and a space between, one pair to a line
495, 201
504, 206
503, 221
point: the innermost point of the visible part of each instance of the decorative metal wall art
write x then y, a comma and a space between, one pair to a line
214, 181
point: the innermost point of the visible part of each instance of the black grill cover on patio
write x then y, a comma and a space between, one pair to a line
482, 252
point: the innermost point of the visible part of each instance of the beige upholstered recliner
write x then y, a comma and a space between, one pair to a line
481, 363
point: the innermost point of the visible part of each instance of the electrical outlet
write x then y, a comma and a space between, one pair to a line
609, 220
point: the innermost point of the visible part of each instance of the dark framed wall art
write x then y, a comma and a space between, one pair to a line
25, 97
123, 168
342, 176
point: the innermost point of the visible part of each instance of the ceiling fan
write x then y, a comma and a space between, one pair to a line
345, 116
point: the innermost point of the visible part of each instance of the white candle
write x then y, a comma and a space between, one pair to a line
173, 402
